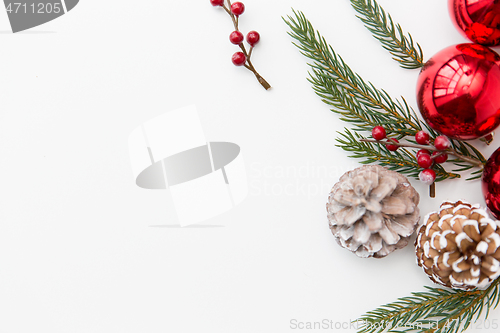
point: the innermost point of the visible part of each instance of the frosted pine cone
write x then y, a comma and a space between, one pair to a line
373, 211
458, 246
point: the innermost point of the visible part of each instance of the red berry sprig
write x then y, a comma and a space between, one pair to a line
242, 58
440, 148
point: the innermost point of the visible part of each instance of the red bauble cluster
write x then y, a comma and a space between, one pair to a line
477, 20
458, 91
491, 184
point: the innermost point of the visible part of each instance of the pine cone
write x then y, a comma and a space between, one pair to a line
458, 246
373, 211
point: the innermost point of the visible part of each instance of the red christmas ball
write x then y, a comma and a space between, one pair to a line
458, 91
491, 183
478, 20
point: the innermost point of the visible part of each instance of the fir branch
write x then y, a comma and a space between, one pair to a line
380, 24
363, 115
361, 103
433, 311
327, 65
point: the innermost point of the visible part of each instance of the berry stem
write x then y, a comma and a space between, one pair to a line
250, 67
249, 64
448, 151
432, 190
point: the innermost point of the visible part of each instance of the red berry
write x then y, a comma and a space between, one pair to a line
424, 161
217, 2
236, 37
392, 147
378, 133
441, 158
427, 176
253, 38
442, 143
239, 58
237, 8
422, 138
423, 151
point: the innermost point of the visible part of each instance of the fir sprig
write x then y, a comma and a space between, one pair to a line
359, 102
363, 105
403, 49
433, 311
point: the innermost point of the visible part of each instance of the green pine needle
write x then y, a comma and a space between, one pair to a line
433, 311
364, 106
380, 24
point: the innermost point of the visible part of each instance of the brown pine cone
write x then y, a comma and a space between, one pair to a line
373, 211
458, 246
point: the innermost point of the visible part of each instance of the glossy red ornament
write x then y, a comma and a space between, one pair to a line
458, 91
477, 20
491, 183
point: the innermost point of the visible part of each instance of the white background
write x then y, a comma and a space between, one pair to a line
82, 249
